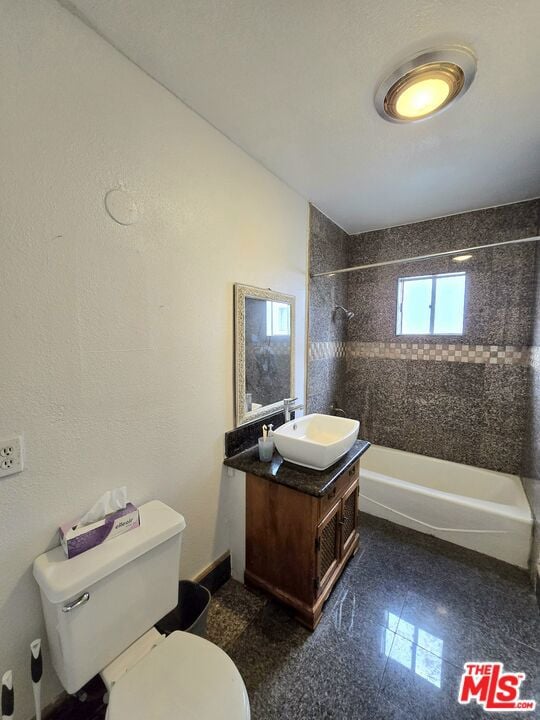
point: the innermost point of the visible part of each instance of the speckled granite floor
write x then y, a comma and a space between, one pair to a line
406, 614
233, 608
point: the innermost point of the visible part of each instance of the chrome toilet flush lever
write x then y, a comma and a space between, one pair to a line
85, 597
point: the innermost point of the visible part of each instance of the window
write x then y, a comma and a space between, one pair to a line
431, 305
277, 318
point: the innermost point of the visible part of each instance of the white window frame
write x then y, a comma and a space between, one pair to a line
273, 326
434, 278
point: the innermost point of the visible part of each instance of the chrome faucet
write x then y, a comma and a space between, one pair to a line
288, 407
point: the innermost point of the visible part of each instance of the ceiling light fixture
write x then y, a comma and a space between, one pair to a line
426, 84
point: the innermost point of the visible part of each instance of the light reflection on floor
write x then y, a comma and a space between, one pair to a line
414, 648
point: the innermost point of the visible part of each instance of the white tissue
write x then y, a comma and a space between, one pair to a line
109, 502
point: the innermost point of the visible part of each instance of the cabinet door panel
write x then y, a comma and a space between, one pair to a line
349, 517
328, 547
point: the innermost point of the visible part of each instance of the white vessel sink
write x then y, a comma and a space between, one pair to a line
316, 441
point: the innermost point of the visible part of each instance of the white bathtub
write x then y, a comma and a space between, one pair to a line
479, 509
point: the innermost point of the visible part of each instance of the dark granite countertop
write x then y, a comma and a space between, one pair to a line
311, 482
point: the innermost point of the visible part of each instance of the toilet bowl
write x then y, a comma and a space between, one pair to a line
183, 677
100, 608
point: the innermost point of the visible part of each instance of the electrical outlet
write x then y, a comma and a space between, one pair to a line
11, 456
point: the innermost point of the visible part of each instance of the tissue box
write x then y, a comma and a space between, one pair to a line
78, 540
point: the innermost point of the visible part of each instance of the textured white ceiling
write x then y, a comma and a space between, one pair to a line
292, 82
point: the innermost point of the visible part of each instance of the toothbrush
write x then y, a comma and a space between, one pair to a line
7, 700
36, 669
265, 432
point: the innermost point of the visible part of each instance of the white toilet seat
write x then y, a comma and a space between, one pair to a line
186, 678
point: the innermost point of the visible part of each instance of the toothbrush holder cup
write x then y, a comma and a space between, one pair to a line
266, 449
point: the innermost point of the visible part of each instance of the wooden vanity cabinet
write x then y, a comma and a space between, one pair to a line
297, 545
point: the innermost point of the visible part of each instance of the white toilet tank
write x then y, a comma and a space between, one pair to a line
124, 586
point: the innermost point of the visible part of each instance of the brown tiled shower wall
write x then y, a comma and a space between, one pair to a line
328, 249
531, 453
462, 398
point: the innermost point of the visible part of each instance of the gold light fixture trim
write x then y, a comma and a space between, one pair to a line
426, 84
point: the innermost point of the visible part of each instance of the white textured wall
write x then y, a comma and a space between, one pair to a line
116, 342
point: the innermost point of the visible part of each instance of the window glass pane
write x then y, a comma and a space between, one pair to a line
415, 309
281, 319
449, 305
278, 318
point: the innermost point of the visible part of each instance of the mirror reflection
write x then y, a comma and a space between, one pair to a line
268, 349
264, 351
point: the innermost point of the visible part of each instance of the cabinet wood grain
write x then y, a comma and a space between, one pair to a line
297, 545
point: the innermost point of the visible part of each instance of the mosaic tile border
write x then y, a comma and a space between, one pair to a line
436, 352
327, 350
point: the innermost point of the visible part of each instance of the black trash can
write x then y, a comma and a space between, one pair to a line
191, 613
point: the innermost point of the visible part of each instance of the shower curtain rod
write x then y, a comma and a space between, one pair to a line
463, 251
